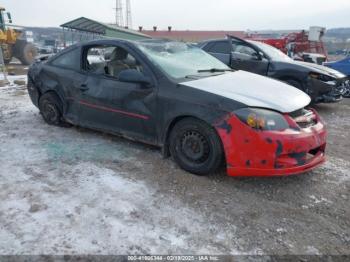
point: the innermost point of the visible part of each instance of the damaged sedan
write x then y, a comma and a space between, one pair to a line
183, 100
322, 84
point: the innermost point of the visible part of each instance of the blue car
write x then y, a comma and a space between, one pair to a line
344, 67
341, 65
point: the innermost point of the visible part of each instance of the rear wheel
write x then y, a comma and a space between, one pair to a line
196, 147
51, 109
7, 52
7, 61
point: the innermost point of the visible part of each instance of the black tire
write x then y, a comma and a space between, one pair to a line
7, 61
25, 52
294, 83
50, 107
196, 147
7, 52
299, 85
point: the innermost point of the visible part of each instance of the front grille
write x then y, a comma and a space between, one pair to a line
304, 118
298, 113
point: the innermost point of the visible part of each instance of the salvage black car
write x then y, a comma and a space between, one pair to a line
322, 84
178, 97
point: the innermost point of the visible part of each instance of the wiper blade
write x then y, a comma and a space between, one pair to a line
214, 70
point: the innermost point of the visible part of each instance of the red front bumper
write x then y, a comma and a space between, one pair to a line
250, 152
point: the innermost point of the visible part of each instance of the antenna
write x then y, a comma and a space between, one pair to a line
119, 19
128, 14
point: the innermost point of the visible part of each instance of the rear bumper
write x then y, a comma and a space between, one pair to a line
271, 153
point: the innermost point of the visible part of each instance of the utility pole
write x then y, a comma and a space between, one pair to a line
119, 19
128, 15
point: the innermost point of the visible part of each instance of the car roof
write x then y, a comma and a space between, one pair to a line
104, 41
119, 41
212, 40
215, 40
156, 40
224, 39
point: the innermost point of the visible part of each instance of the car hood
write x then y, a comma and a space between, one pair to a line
321, 69
253, 90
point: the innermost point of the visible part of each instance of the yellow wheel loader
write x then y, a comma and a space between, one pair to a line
12, 45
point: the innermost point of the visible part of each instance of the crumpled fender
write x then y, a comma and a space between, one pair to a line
250, 152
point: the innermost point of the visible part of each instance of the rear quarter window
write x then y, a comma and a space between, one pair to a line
69, 60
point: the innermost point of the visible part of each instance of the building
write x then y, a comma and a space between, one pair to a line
85, 28
189, 35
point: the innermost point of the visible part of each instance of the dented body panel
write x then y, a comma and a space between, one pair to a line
254, 90
148, 113
252, 152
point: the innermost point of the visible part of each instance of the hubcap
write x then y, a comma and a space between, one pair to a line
50, 112
195, 147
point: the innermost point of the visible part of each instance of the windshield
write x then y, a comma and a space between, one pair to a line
272, 52
179, 60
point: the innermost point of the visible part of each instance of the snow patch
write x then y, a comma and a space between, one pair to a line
81, 204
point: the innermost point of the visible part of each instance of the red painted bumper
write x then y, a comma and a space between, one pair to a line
250, 152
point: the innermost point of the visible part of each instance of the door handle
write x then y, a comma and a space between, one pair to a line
83, 87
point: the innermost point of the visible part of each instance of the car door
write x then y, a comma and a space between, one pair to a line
246, 57
64, 76
119, 107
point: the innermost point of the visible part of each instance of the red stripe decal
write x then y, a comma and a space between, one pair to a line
114, 110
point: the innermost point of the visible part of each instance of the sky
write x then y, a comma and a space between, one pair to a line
189, 14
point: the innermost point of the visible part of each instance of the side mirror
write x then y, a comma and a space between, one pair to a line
133, 76
256, 56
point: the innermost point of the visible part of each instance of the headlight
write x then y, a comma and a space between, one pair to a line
322, 77
262, 119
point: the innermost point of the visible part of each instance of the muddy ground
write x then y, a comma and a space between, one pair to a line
75, 191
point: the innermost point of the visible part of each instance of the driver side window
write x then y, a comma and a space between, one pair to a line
245, 50
109, 60
222, 47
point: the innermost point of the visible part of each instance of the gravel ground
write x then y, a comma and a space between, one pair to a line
75, 191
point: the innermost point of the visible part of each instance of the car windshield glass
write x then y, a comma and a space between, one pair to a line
179, 60
272, 52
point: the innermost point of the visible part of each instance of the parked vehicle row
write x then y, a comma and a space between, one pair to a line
322, 84
196, 108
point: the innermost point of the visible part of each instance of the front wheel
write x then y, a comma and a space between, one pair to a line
299, 85
294, 83
196, 147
